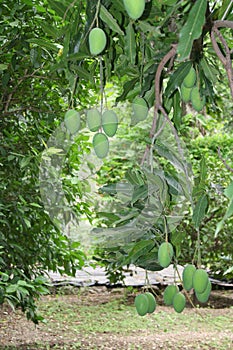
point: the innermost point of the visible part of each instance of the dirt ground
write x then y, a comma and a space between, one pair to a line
17, 333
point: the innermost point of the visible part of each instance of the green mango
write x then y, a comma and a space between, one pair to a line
101, 145
203, 297
93, 119
134, 8
151, 302
179, 302
187, 276
97, 41
185, 93
140, 110
165, 254
72, 121
141, 303
190, 79
200, 280
169, 293
109, 123
197, 102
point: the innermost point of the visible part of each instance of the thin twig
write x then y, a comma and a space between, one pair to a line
223, 160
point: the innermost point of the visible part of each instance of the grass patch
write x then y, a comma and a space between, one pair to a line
76, 322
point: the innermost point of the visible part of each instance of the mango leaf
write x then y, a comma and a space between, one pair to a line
106, 17
177, 78
130, 43
203, 170
192, 29
149, 261
3, 66
229, 191
127, 87
177, 109
140, 193
166, 153
44, 44
200, 210
82, 73
140, 248
210, 71
58, 7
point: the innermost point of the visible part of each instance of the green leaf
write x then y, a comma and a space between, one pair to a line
229, 211
177, 77
203, 170
200, 210
127, 87
166, 153
140, 193
149, 261
130, 43
82, 73
192, 29
140, 248
58, 7
229, 191
219, 228
51, 31
3, 66
210, 72
106, 17
44, 44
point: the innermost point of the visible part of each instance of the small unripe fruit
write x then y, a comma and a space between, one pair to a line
97, 41
140, 110
179, 302
134, 8
200, 280
141, 303
203, 297
185, 93
197, 102
93, 119
101, 145
72, 121
165, 254
187, 276
190, 79
110, 123
169, 293
151, 302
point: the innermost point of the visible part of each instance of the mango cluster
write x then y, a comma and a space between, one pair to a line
105, 125
97, 38
190, 92
197, 279
145, 303
172, 296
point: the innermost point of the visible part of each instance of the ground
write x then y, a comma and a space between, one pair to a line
103, 318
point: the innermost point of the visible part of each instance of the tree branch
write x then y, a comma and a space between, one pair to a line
226, 60
158, 102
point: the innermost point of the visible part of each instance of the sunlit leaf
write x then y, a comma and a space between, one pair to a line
200, 210
192, 29
130, 43
107, 17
